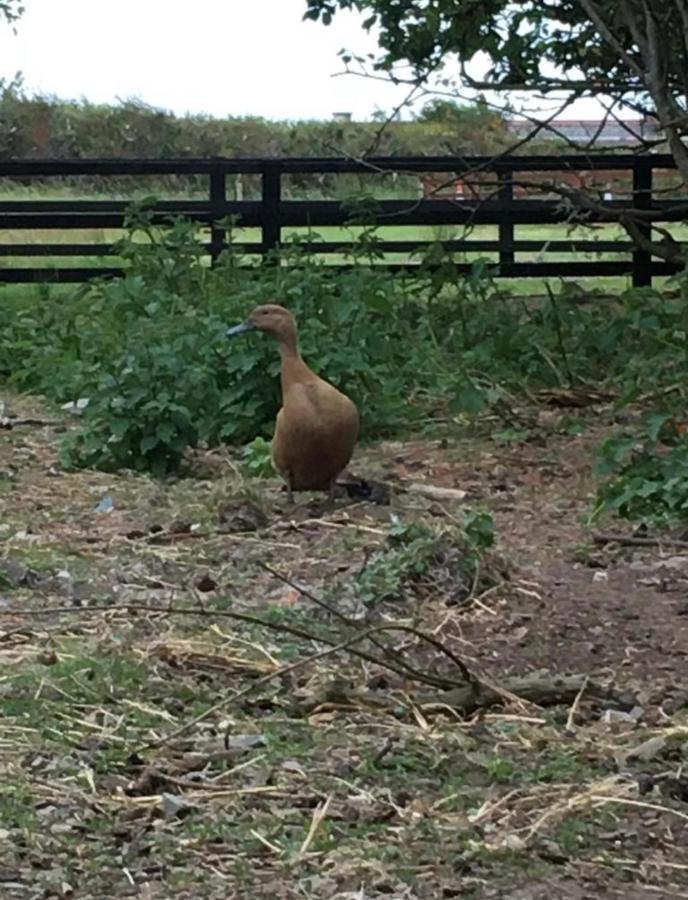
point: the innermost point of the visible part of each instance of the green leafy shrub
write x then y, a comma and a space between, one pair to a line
149, 349
645, 476
644, 471
446, 558
150, 352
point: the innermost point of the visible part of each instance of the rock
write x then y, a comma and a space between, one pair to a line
676, 563
514, 842
105, 505
610, 716
174, 806
15, 574
675, 703
241, 515
244, 741
648, 750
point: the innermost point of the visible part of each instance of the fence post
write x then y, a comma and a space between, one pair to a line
270, 206
218, 198
642, 199
506, 226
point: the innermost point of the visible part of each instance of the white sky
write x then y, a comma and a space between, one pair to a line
222, 57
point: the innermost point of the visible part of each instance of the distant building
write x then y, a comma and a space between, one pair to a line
341, 116
585, 131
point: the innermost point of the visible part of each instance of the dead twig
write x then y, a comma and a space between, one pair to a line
574, 706
628, 540
8, 424
319, 814
404, 670
388, 651
266, 679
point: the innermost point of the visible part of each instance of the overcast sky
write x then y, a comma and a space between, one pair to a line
223, 57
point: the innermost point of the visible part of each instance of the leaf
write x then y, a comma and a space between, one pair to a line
469, 399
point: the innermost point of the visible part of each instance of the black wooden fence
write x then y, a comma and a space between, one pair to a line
272, 212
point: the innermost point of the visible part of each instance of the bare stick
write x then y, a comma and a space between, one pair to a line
630, 541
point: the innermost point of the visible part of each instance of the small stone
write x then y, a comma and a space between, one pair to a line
105, 505
648, 750
173, 806
15, 574
244, 741
241, 515
677, 563
610, 716
513, 842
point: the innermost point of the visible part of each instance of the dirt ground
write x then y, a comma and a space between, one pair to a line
155, 744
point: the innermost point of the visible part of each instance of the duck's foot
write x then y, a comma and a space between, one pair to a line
377, 492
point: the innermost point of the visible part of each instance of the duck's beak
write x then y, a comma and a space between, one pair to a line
241, 328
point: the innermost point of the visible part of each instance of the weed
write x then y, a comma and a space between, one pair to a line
257, 458
414, 552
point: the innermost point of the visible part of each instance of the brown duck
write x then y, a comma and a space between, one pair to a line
317, 426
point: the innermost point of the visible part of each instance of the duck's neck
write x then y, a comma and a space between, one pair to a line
293, 366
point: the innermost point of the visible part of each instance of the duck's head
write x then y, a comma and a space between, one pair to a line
270, 318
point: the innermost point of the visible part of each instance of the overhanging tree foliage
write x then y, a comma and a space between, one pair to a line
634, 52
10, 10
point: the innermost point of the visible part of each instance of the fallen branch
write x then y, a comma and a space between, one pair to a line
467, 674
380, 491
266, 679
393, 665
433, 491
8, 424
630, 541
541, 688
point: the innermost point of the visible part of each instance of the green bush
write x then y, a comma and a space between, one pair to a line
150, 353
644, 471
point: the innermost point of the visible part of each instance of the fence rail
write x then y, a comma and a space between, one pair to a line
272, 212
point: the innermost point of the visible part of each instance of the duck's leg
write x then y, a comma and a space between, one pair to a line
332, 493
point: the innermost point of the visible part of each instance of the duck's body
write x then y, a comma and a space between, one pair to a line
317, 427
